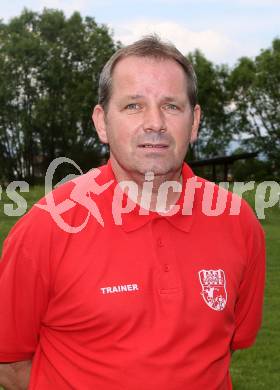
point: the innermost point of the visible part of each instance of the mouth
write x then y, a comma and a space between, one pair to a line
153, 146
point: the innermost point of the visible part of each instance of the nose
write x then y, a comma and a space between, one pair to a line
154, 120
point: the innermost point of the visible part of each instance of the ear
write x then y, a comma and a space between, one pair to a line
98, 117
196, 122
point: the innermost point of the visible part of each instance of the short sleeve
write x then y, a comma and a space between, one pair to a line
249, 305
23, 298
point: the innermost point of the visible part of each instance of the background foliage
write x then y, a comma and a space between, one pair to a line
49, 70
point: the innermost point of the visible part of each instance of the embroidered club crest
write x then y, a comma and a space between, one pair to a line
213, 283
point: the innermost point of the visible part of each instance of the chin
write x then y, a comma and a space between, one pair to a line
158, 169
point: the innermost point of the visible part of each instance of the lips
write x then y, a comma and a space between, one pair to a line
153, 146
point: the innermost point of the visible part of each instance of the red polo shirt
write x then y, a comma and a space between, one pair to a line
155, 303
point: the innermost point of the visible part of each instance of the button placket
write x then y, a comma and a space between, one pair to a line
165, 254
160, 243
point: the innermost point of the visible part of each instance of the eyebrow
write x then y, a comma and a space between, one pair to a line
172, 98
135, 97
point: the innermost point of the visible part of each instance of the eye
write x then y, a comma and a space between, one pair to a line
132, 106
171, 107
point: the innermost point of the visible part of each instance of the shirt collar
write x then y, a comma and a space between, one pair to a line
133, 220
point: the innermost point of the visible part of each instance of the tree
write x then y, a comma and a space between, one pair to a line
214, 99
18, 58
49, 71
255, 86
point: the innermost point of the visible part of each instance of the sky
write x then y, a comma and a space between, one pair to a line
224, 30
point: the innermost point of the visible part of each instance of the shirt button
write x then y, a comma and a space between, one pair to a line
160, 243
166, 267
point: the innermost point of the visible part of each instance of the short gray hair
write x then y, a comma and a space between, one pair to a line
149, 46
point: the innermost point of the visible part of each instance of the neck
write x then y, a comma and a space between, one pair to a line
148, 186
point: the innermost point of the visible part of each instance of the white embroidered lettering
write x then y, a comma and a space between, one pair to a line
119, 289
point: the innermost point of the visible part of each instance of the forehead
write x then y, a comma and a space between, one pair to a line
146, 75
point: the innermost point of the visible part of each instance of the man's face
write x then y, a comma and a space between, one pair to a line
149, 122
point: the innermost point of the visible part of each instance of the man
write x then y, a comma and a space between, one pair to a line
145, 298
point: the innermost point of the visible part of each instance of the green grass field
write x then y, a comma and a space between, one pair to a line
256, 368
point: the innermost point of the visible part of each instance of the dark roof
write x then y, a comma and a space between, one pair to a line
222, 159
